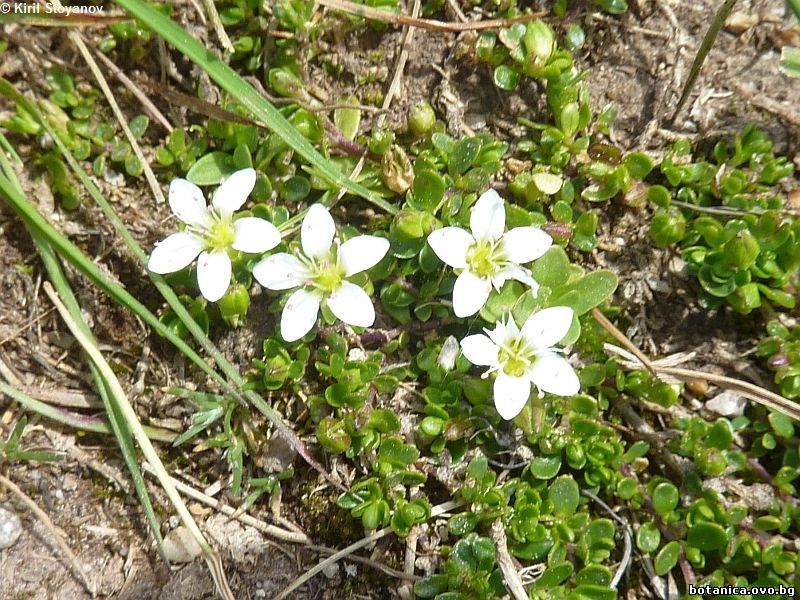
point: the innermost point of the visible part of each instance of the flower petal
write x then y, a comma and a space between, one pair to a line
479, 350
361, 253
502, 332
174, 253
470, 294
523, 244
299, 314
512, 271
451, 245
352, 305
317, 231
552, 373
547, 326
214, 274
510, 394
188, 203
255, 235
488, 218
232, 192
280, 271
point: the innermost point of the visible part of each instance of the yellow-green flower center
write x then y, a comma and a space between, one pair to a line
484, 258
329, 277
515, 358
220, 235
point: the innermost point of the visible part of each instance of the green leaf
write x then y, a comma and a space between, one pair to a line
667, 227
593, 592
554, 575
767, 523
589, 291
565, 495
720, 435
397, 454
211, 169
138, 125
463, 155
781, 424
552, 269
707, 536
428, 189
546, 467
665, 497
594, 575
506, 78
639, 165
648, 537
431, 586
347, 120
295, 188
667, 558
501, 303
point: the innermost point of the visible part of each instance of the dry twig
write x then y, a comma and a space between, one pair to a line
213, 16
506, 563
265, 528
123, 122
156, 114
745, 388
622, 338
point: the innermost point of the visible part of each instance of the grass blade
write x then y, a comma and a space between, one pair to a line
76, 420
118, 425
246, 95
129, 415
169, 295
705, 47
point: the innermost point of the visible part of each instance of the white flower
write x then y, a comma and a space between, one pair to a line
321, 271
487, 257
211, 232
522, 357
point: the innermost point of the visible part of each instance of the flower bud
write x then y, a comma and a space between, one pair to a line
397, 171
742, 251
380, 141
539, 41
421, 118
778, 360
413, 224
667, 227
233, 305
287, 84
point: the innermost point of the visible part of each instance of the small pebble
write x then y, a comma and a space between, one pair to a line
180, 547
10, 528
727, 404
331, 571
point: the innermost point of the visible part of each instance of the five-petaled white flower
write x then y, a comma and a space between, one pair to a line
487, 257
522, 357
320, 271
211, 232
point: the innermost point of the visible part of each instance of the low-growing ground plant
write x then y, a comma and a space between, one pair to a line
431, 329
